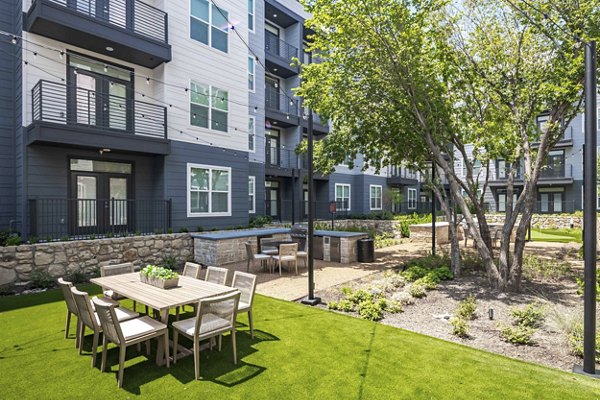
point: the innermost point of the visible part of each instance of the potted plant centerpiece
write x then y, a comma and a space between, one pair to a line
161, 277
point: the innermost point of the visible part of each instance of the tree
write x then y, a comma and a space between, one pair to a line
424, 80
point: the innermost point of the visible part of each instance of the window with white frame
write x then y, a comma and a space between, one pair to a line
251, 133
209, 107
209, 24
342, 196
251, 194
375, 196
251, 15
209, 190
251, 74
412, 198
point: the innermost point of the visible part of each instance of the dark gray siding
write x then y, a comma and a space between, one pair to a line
369, 180
176, 184
10, 112
258, 171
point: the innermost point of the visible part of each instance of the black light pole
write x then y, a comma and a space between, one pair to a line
310, 299
589, 215
432, 209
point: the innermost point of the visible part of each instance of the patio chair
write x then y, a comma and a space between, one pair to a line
126, 333
266, 247
216, 275
72, 308
254, 257
303, 254
215, 317
192, 270
89, 318
287, 253
246, 284
117, 269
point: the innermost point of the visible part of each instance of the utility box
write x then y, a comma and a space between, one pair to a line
334, 249
366, 250
318, 247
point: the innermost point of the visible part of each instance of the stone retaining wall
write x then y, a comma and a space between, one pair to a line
380, 226
544, 221
226, 251
64, 258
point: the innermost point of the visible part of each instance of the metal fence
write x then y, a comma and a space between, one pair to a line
61, 218
278, 101
280, 48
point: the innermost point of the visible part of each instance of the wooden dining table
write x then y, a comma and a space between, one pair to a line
189, 290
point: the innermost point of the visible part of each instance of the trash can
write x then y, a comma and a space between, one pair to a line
366, 250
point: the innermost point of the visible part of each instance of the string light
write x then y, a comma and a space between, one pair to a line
147, 80
14, 40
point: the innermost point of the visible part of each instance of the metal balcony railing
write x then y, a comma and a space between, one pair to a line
279, 48
282, 158
554, 171
132, 15
72, 219
278, 101
69, 105
402, 172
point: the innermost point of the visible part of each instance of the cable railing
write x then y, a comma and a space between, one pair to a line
551, 171
63, 104
282, 158
278, 101
132, 15
280, 48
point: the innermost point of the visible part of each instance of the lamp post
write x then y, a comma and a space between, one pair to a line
432, 208
310, 299
589, 215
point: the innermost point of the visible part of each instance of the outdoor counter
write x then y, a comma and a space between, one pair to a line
225, 247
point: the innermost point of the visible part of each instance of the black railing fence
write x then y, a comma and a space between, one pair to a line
63, 104
279, 101
280, 48
132, 15
61, 218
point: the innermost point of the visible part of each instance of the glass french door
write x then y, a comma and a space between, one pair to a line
272, 98
272, 148
99, 203
272, 202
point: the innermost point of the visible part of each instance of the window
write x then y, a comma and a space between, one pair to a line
412, 198
376, 191
251, 74
251, 15
208, 106
251, 133
209, 24
209, 190
251, 194
502, 200
342, 196
502, 168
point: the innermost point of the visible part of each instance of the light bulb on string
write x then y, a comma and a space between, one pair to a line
14, 40
105, 68
147, 80
75, 72
61, 54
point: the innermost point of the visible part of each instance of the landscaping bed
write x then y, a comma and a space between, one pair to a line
548, 298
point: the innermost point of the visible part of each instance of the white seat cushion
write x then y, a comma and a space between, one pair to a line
112, 295
285, 258
122, 314
263, 256
210, 323
137, 327
302, 254
242, 307
269, 252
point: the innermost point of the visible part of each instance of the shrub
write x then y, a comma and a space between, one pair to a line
413, 273
393, 307
581, 285
13, 240
520, 334
531, 316
466, 308
460, 327
183, 229
169, 262
575, 339
360, 296
342, 305
199, 228
169, 230
429, 282
417, 291
77, 277
394, 279
442, 273
41, 279
259, 221
535, 267
471, 262
4, 235
370, 310
429, 262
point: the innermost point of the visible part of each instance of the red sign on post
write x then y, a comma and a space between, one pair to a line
332, 207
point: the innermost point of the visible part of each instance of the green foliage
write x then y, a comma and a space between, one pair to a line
543, 269
417, 291
199, 228
360, 296
520, 334
411, 219
413, 273
169, 262
154, 271
109, 234
531, 316
393, 307
429, 262
33, 239
169, 230
581, 285
460, 327
42, 279
575, 339
78, 277
466, 308
183, 229
258, 221
471, 261
442, 274
13, 240
429, 282
370, 310
4, 235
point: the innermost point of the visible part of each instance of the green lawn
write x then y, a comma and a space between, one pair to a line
298, 353
556, 235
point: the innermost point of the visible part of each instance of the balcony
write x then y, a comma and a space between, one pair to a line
320, 127
280, 162
130, 30
401, 176
565, 141
555, 174
79, 117
279, 55
280, 108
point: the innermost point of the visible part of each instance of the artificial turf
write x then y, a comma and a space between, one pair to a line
298, 353
556, 235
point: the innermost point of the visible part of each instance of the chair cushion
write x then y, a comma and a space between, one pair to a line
112, 295
122, 314
210, 323
285, 258
269, 252
137, 327
106, 300
302, 254
262, 256
242, 307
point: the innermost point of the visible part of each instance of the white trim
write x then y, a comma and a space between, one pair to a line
409, 200
253, 13
349, 195
210, 106
371, 187
253, 133
188, 196
253, 90
210, 26
253, 180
